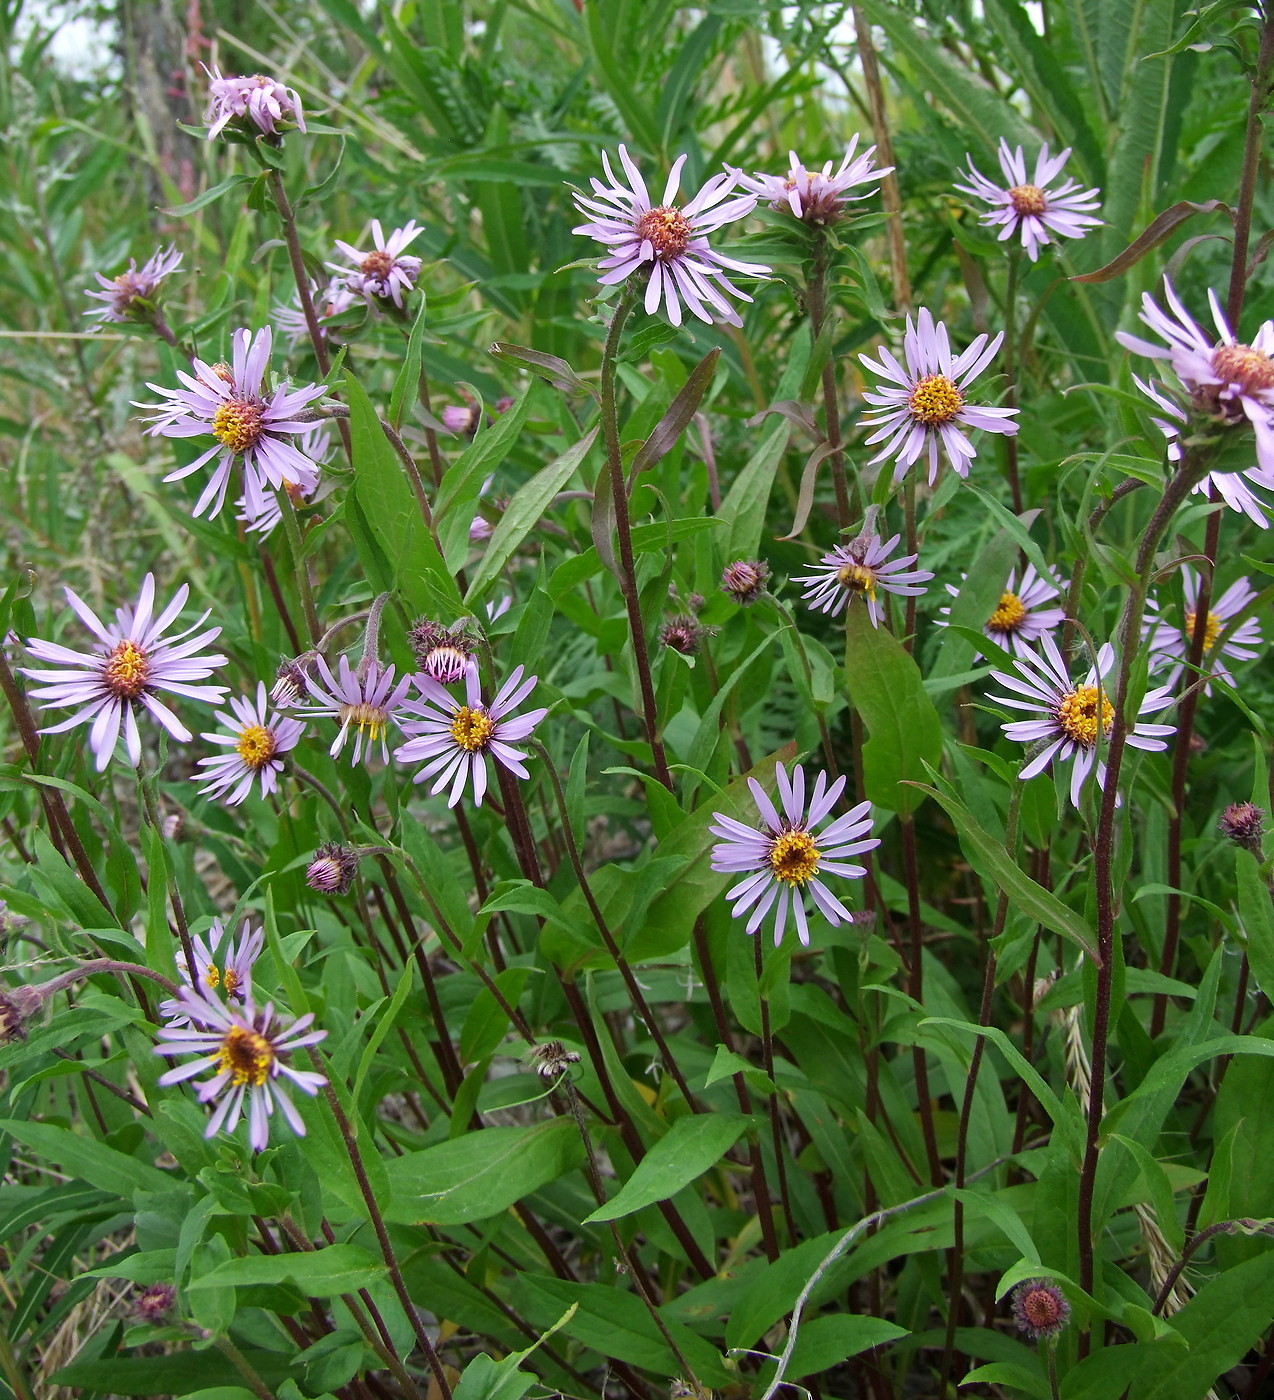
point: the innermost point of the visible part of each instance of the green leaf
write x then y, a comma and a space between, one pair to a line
209, 196
904, 732
480, 1174
392, 514
524, 512
1257, 916
691, 1146
668, 430
407, 384
977, 600
318, 1273
990, 859
551, 368
744, 506
824, 1342
104, 1166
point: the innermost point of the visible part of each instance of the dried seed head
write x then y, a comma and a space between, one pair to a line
1244, 824
551, 1059
1040, 1308
333, 868
745, 580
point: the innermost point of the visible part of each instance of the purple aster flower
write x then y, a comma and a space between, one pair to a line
786, 854
456, 739
1040, 1309
223, 964
288, 320
862, 568
246, 1049
256, 742
668, 241
817, 196
1030, 207
1231, 487
131, 295
1170, 643
229, 402
925, 405
130, 662
1069, 719
257, 101
1020, 617
365, 700
1226, 380
386, 271
316, 444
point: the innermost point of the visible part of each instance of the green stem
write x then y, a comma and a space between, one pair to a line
150, 806
300, 569
1009, 360
816, 304
623, 530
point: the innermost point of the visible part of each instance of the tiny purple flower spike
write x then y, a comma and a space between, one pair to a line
129, 664
668, 242
818, 197
923, 407
1068, 719
257, 741
131, 295
456, 739
862, 568
785, 855
1030, 207
1020, 618
386, 272
222, 964
229, 402
1170, 643
364, 700
247, 1051
1226, 379
252, 105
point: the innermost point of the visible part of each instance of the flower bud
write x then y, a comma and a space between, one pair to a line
745, 580
154, 1302
1243, 823
333, 868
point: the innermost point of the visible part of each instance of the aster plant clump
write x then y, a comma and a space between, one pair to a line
644, 768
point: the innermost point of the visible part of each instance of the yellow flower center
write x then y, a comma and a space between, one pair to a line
1211, 629
126, 671
367, 719
1078, 719
472, 729
1010, 614
378, 264
857, 578
934, 400
667, 230
256, 746
793, 857
1251, 369
1028, 199
245, 1056
237, 424
230, 981
212, 975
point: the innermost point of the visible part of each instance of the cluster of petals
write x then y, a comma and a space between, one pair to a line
1071, 719
130, 295
330, 301
668, 241
818, 196
364, 701
922, 408
223, 965
1170, 643
130, 663
230, 402
251, 101
1020, 618
1224, 378
384, 273
1028, 207
455, 739
786, 854
246, 1049
257, 739
862, 568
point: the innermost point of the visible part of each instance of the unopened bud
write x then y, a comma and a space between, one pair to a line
745, 580
333, 869
290, 683
1243, 823
154, 1302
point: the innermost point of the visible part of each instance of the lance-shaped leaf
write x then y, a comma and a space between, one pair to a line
675, 421
551, 368
1151, 236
